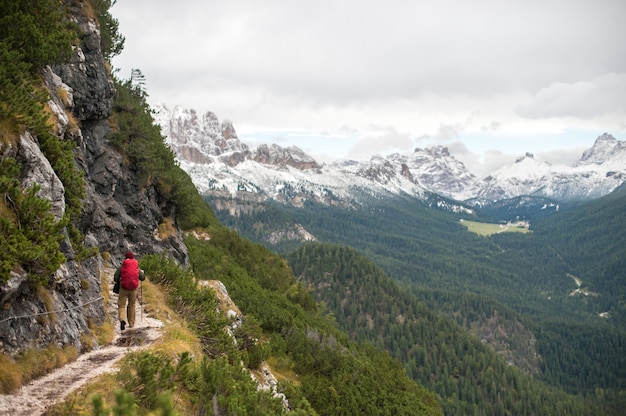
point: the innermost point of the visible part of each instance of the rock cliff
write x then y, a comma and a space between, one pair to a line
119, 212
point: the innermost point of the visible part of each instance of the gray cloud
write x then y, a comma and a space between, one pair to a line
562, 156
604, 95
491, 127
432, 70
444, 134
339, 51
386, 141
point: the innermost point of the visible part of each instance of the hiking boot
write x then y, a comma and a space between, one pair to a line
122, 325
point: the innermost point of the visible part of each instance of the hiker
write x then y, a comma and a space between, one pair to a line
128, 275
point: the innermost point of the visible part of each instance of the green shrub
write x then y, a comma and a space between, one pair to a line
31, 235
39, 29
111, 40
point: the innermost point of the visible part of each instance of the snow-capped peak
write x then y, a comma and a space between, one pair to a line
600, 170
217, 160
605, 149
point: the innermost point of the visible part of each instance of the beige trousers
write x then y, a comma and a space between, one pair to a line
127, 313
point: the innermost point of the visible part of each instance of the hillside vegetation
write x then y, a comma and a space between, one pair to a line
468, 376
33, 34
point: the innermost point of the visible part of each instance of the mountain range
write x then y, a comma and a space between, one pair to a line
219, 163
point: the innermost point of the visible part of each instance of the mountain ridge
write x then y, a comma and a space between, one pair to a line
235, 168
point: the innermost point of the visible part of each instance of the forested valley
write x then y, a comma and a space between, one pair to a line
474, 318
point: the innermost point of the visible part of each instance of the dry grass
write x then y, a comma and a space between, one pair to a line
53, 123
36, 363
72, 125
166, 229
32, 364
109, 68
282, 368
86, 342
104, 283
101, 334
487, 229
104, 333
177, 337
78, 403
86, 8
10, 374
51, 120
64, 96
44, 295
9, 134
6, 211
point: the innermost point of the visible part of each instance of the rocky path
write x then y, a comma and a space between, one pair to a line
38, 395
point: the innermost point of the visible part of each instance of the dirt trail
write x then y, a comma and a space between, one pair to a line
35, 397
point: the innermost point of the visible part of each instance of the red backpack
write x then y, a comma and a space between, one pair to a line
129, 274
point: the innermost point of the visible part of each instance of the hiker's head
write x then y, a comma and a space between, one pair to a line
130, 255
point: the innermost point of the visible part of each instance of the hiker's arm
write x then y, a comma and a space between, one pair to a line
116, 276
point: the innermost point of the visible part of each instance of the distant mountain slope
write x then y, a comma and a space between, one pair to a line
414, 243
592, 240
372, 307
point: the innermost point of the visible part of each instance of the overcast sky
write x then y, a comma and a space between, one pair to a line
490, 80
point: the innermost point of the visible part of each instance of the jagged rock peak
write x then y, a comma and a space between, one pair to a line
606, 137
604, 148
433, 169
435, 151
279, 156
378, 169
228, 131
194, 138
528, 155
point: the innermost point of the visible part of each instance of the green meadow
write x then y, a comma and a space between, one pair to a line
486, 229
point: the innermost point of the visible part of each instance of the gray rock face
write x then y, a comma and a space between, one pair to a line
281, 157
37, 171
119, 212
195, 138
87, 74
